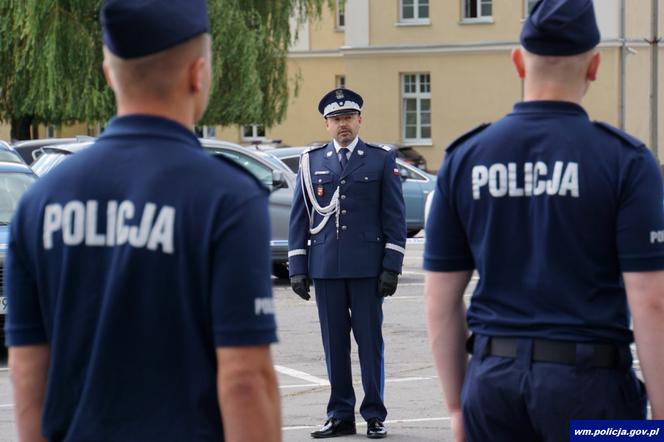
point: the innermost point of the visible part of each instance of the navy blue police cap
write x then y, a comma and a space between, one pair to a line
560, 28
136, 28
340, 101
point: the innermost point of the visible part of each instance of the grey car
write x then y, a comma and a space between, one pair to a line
274, 174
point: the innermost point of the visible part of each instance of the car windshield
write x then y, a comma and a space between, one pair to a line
47, 161
12, 187
9, 157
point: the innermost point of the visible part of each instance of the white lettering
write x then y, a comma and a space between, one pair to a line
528, 179
139, 237
92, 238
162, 232
73, 223
125, 212
498, 180
656, 236
480, 179
263, 306
111, 222
554, 183
570, 181
539, 187
512, 179
52, 223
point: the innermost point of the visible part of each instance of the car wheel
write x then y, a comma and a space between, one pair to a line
412, 233
280, 270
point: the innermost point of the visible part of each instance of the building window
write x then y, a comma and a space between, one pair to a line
414, 10
50, 131
416, 94
253, 132
340, 81
477, 9
528, 7
209, 132
341, 14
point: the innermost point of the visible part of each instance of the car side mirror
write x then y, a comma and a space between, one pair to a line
403, 173
278, 180
37, 153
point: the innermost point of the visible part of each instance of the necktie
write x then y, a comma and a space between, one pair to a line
343, 157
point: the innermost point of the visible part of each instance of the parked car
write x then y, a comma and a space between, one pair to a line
274, 174
409, 155
416, 185
8, 154
15, 178
27, 148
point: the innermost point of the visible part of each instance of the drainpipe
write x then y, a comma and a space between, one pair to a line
654, 73
622, 68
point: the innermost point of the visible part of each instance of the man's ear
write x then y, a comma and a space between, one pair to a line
107, 74
197, 75
517, 60
593, 67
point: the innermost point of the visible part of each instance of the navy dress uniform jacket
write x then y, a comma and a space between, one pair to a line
371, 231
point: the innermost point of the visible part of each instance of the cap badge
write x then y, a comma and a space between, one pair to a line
340, 94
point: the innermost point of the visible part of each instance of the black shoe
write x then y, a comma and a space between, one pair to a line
376, 429
334, 427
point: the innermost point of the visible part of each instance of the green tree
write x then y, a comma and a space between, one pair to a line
51, 55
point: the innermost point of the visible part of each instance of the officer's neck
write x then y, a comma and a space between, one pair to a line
553, 92
179, 114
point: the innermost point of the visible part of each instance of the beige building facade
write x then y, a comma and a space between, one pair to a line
430, 70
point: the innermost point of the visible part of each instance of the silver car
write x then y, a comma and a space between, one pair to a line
274, 174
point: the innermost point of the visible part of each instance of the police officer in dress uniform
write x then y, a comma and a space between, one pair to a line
348, 234
139, 296
561, 218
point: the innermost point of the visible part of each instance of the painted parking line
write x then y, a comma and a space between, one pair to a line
363, 424
387, 381
315, 381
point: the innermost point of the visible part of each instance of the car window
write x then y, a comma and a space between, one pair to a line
410, 173
12, 187
260, 171
293, 163
46, 162
9, 157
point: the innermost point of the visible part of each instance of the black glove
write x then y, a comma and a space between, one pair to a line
300, 285
387, 283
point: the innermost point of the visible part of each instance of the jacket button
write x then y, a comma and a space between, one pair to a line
343, 197
343, 212
343, 181
344, 228
366, 178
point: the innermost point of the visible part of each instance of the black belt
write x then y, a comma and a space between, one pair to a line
604, 355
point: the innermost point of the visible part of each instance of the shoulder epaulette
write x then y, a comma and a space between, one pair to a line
632, 141
467, 136
314, 147
243, 170
384, 147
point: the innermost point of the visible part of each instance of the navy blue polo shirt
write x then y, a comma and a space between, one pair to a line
134, 260
550, 208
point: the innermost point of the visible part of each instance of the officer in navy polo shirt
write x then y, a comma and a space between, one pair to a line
348, 234
561, 218
140, 304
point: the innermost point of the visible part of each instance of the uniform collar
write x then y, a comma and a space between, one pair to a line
350, 147
549, 106
149, 125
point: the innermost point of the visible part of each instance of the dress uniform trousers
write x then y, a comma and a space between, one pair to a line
516, 399
345, 304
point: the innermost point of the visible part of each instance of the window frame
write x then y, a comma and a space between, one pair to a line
416, 19
340, 5
479, 18
254, 132
418, 95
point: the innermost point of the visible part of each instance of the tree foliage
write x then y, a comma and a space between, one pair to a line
51, 55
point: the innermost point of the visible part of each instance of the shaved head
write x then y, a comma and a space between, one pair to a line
158, 75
